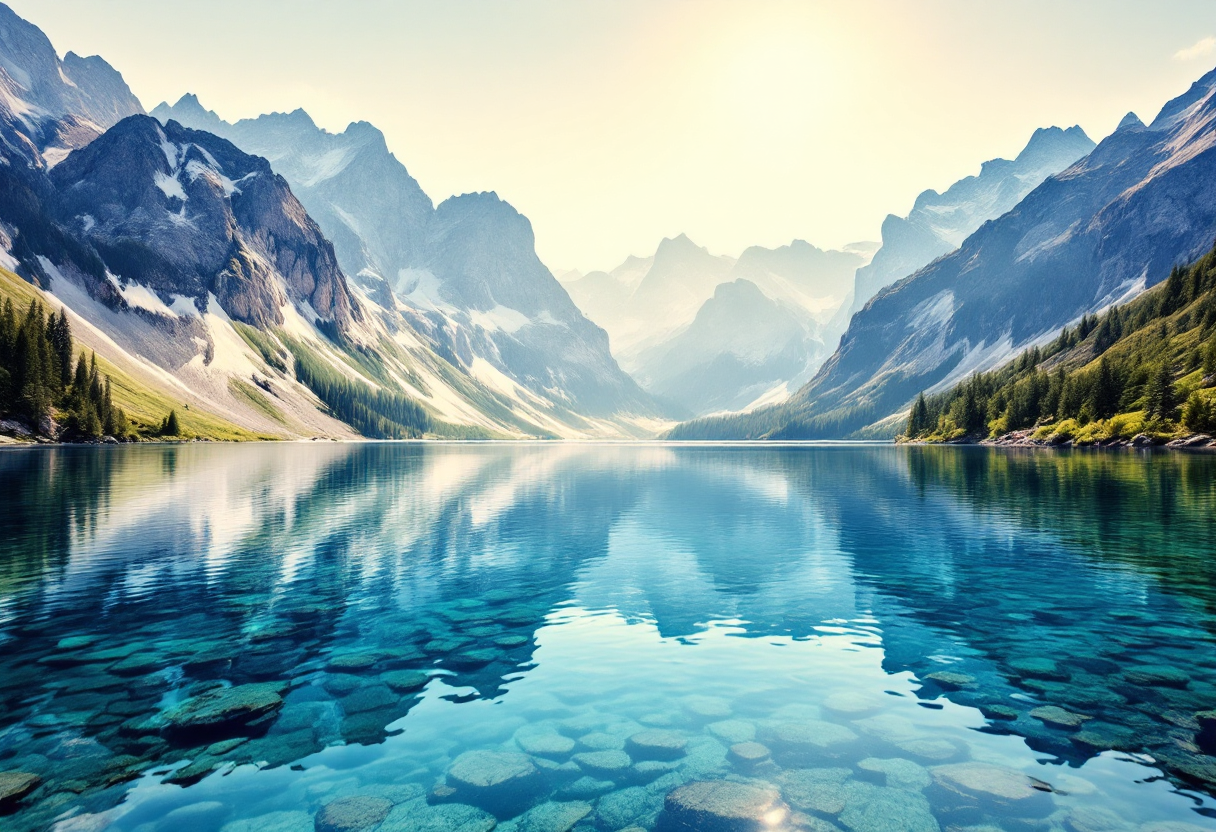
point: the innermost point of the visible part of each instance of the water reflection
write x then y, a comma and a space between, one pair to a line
421, 601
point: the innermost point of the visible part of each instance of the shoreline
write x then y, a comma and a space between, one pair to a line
1025, 439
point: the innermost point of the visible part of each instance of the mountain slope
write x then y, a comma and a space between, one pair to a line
938, 223
464, 275
1095, 234
1141, 373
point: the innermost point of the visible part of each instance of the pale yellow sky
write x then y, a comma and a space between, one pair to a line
614, 123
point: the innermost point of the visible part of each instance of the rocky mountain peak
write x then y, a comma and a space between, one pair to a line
1131, 121
185, 212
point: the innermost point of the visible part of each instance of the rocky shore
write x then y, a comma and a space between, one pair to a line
1026, 438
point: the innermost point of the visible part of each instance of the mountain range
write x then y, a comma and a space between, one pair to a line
271, 278
194, 270
1095, 234
671, 326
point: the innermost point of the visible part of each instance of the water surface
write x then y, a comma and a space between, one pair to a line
881, 638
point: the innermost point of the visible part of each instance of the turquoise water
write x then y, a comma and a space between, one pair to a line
546, 637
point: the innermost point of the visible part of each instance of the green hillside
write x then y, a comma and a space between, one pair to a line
1146, 368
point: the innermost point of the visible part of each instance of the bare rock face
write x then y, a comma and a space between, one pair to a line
184, 212
722, 806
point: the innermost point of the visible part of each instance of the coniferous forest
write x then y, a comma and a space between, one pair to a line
1143, 369
50, 387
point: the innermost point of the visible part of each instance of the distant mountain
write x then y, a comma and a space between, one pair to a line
465, 274
49, 107
742, 346
1095, 234
938, 223
657, 308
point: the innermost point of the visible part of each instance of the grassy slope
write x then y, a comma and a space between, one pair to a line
145, 406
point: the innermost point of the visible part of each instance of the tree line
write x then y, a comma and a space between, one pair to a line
1155, 355
374, 412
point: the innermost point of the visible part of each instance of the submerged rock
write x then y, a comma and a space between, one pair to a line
553, 745
802, 743
284, 821
656, 745
951, 680
815, 789
870, 808
15, 785
222, 709
501, 782
706, 707
1095, 819
603, 763
586, 788
732, 730
1057, 716
852, 704
748, 754
1038, 667
994, 788
417, 816
553, 817
351, 814
722, 806
627, 807
405, 681
897, 772
1157, 676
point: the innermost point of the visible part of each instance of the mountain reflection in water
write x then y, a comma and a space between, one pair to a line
383, 609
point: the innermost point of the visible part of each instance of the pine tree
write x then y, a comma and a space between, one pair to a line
1104, 396
170, 427
1160, 400
107, 409
918, 418
61, 341
1198, 414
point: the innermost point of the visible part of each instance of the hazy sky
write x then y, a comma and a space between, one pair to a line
613, 123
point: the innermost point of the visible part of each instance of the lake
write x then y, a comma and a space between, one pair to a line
549, 637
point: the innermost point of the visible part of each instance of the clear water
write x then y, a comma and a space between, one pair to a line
889, 623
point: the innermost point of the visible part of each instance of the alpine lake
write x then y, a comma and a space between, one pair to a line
546, 637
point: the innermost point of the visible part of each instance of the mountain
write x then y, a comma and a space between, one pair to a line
49, 106
183, 212
938, 223
741, 346
1095, 234
651, 307
464, 275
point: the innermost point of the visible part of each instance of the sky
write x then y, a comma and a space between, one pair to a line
614, 123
